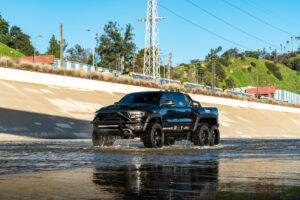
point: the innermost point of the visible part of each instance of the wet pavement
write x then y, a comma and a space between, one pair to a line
236, 169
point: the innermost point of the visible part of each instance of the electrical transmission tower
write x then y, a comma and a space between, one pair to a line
151, 54
169, 65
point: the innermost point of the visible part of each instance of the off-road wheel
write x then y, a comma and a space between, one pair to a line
154, 136
214, 136
200, 137
101, 140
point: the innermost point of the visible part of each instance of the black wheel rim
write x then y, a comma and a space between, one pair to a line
157, 138
213, 138
203, 136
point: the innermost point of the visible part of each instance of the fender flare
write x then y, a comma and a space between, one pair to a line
203, 116
150, 117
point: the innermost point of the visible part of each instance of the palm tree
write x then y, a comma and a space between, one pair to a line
281, 48
287, 42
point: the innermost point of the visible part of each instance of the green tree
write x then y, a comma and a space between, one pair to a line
4, 31
20, 41
213, 54
230, 53
79, 54
252, 54
112, 45
139, 61
54, 47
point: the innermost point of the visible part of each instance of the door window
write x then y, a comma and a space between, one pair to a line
179, 100
165, 97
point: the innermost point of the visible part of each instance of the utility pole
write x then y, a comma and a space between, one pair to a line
269, 90
133, 62
169, 65
122, 64
213, 76
257, 86
164, 69
152, 55
34, 42
61, 45
196, 70
88, 30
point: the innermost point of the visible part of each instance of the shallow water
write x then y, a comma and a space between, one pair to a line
236, 169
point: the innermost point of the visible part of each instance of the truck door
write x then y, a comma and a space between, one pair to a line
167, 111
182, 115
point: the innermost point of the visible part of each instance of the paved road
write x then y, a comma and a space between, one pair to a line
236, 169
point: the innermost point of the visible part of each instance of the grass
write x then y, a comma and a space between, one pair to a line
7, 51
238, 70
7, 62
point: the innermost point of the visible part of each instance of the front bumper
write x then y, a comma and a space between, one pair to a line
119, 128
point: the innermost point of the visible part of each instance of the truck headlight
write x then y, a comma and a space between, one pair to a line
136, 114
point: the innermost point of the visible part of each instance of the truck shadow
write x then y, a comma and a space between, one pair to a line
22, 123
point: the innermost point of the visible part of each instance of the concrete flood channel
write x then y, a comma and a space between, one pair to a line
236, 169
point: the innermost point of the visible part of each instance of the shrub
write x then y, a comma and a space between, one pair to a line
253, 64
224, 61
274, 70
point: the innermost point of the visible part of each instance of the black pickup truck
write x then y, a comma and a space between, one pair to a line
158, 118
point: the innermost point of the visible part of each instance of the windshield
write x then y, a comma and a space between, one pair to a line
141, 98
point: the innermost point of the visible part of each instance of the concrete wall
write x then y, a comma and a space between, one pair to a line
52, 106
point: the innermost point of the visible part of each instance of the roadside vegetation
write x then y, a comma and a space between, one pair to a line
7, 51
235, 69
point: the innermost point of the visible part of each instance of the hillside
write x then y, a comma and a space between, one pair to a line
240, 73
7, 51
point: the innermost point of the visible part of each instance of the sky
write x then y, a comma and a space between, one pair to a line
189, 33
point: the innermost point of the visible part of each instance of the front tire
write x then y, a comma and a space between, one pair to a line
214, 136
154, 136
200, 137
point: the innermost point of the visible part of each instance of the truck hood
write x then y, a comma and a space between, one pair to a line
141, 107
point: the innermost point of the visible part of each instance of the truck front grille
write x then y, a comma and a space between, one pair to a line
113, 116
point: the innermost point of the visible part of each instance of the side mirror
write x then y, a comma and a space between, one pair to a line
196, 104
168, 103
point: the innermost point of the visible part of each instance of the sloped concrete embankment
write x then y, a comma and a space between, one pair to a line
41, 105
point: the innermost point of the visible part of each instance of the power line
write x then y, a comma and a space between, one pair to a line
231, 25
205, 29
257, 18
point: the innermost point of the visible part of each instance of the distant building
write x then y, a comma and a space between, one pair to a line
242, 89
45, 59
287, 96
268, 91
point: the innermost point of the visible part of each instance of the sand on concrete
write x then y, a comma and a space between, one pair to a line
14, 138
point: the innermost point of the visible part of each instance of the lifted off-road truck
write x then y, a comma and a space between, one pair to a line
158, 118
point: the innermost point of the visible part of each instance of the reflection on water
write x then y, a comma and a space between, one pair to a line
159, 182
237, 169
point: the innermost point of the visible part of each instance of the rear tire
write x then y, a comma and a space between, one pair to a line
214, 136
200, 137
154, 136
100, 140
